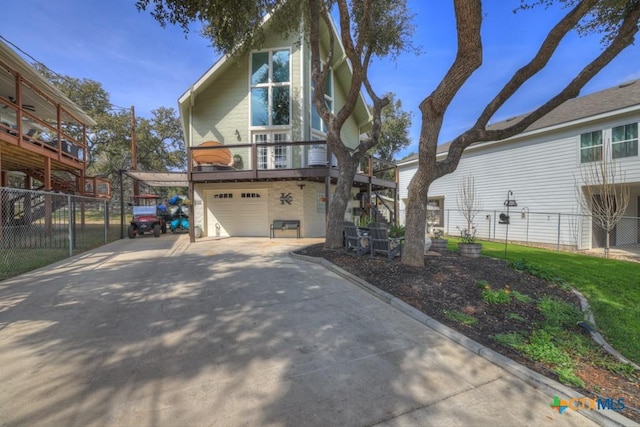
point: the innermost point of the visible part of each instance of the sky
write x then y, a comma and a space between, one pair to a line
146, 66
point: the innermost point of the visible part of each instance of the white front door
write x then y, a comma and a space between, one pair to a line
275, 157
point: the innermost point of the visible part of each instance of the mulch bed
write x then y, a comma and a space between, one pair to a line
448, 282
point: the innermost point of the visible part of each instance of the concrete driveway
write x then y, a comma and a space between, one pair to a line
160, 332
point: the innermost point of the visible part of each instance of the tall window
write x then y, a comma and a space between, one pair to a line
317, 124
624, 141
270, 88
591, 147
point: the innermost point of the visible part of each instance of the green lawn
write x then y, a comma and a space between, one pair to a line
16, 260
611, 286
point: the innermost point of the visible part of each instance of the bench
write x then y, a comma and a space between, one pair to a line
284, 224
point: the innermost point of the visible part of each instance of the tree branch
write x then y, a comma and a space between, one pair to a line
624, 38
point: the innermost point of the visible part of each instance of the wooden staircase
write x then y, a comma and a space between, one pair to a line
57, 183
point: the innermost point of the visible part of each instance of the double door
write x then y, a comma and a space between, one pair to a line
273, 156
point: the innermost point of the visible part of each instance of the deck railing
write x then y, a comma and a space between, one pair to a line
29, 127
279, 156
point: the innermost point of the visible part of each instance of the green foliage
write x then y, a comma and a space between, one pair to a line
499, 296
394, 133
460, 317
516, 317
604, 17
567, 376
468, 235
542, 348
397, 231
482, 284
610, 285
524, 298
559, 314
534, 270
510, 339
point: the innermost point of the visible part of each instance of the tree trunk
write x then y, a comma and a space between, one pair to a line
416, 219
341, 196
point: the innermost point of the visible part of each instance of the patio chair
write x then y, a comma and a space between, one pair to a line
354, 240
380, 241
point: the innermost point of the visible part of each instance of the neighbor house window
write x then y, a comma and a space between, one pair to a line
624, 141
270, 88
591, 147
435, 210
317, 124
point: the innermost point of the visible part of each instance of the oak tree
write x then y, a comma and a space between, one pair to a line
617, 20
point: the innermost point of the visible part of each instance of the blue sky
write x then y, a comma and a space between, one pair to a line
142, 64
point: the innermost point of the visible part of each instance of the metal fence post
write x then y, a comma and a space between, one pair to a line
494, 225
559, 218
448, 217
106, 222
70, 208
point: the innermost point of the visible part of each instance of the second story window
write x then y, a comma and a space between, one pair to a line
591, 147
270, 88
317, 124
624, 141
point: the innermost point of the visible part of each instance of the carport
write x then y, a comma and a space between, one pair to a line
153, 179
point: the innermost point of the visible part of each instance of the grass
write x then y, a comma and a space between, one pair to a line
553, 342
460, 317
15, 260
611, 286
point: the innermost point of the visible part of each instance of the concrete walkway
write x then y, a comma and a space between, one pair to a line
160, 332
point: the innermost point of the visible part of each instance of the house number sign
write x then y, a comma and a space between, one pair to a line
286, 198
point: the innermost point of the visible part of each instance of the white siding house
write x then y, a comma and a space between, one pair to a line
542, 170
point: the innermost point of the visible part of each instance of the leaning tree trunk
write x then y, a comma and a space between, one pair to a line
416, 217
347, 170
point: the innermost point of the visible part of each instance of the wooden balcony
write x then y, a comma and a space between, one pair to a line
42, 134
303, 160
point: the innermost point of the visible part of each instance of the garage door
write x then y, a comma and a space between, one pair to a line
237, 213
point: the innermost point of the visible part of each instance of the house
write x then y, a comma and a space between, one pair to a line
42, 133
540, 174
256, 144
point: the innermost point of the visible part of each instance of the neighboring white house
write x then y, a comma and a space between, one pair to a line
256, 142
541, 170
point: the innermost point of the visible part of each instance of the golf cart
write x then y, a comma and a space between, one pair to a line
148, 216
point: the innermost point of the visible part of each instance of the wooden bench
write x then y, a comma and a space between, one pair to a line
284, 224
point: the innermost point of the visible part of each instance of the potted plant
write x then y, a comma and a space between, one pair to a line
468, 246
438, 243
237, 162
396, 231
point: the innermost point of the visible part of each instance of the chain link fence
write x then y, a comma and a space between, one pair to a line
552, 229
38, 228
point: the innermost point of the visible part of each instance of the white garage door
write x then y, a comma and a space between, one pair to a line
237, 213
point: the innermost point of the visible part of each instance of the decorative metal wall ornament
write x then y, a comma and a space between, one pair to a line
286, 198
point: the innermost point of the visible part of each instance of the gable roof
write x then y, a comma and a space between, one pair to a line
607, 101
341, 67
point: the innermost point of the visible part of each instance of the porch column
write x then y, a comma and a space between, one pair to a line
192, 234
3, 183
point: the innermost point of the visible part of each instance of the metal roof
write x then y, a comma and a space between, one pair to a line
160, 179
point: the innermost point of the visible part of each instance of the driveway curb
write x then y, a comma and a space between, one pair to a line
547, 385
